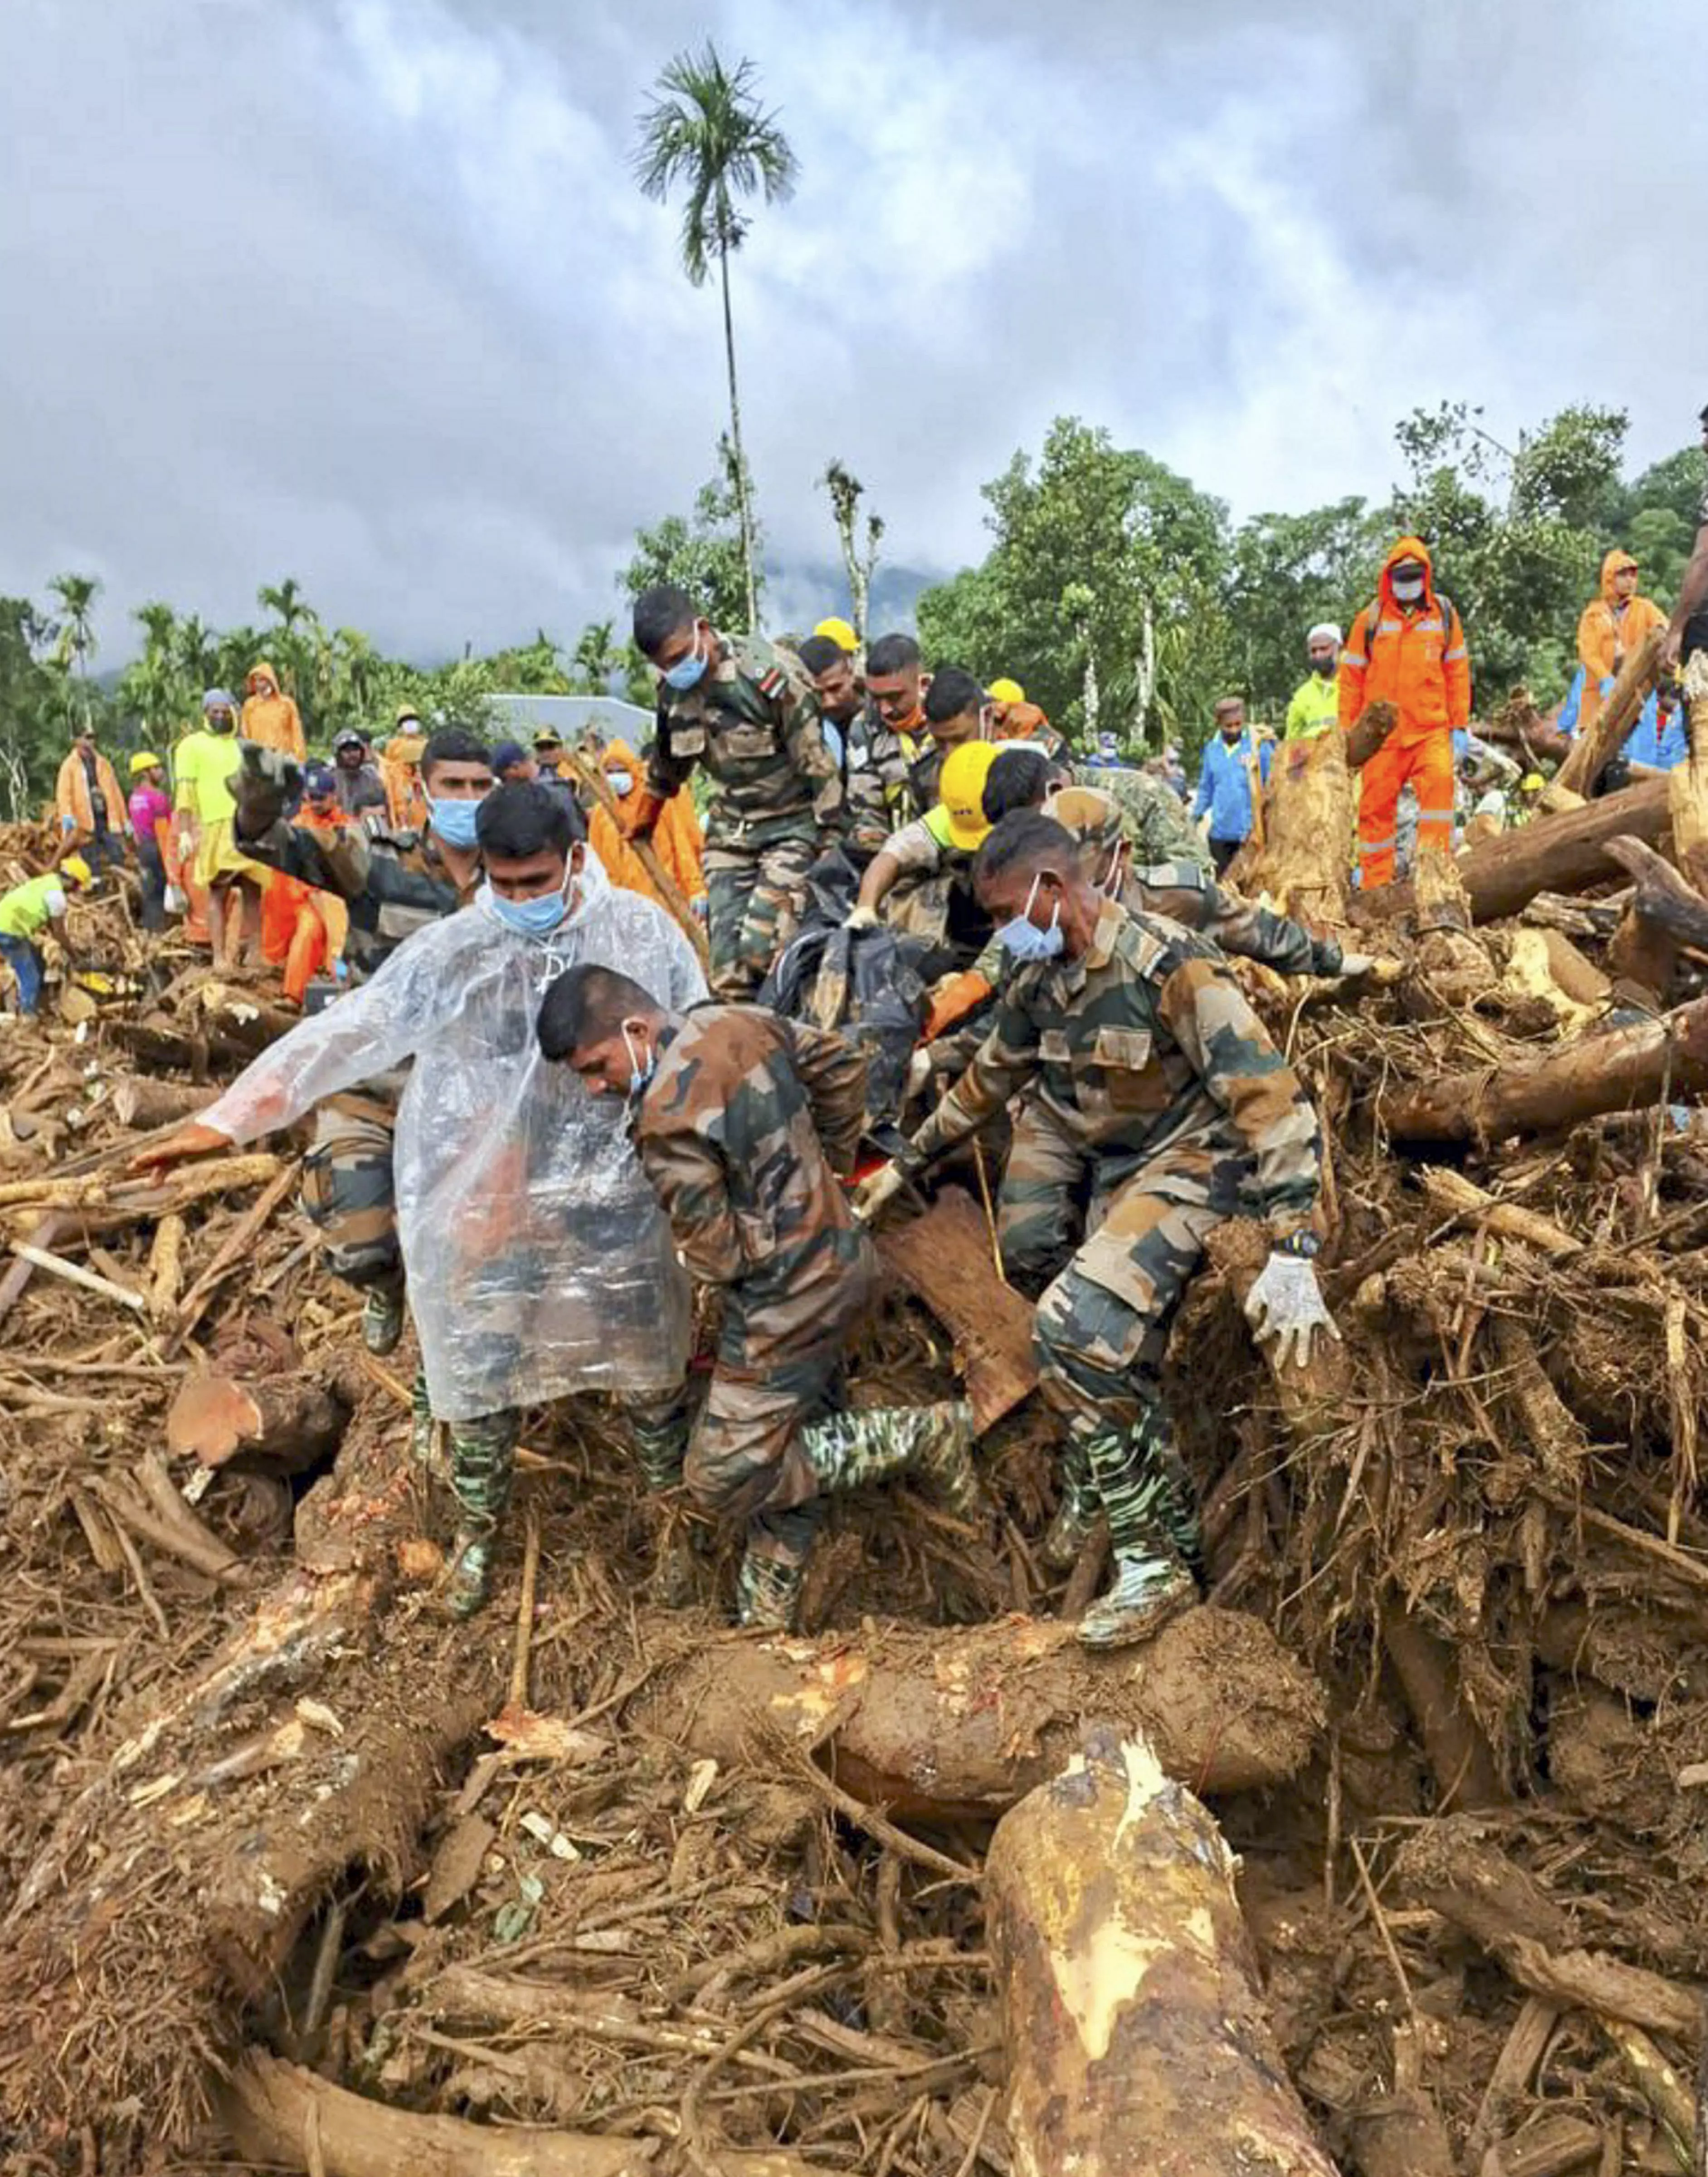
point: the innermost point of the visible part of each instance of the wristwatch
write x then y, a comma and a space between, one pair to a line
1305, 1244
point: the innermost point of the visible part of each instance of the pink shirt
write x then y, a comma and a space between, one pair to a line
148, 806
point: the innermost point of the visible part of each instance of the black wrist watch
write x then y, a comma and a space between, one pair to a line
1305, 1245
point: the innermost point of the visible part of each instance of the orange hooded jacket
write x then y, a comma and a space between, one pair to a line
1605, 634
676, 838
70, 797
399, 773
273, 721
1420, 664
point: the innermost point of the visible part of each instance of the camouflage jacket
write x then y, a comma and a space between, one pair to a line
877, 784
1152, 815
743, 1131
1186, 892
754, 724
1141, 1045
393, 882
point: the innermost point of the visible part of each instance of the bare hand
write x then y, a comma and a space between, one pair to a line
192, 1139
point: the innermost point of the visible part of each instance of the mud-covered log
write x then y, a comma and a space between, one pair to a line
1566, 853
1302, 862
141, 1101
1622, 1070
947, 1257
1136, 2036
1600, 741
938, 1726
278, 1425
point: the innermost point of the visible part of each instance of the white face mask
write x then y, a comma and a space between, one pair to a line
619, 782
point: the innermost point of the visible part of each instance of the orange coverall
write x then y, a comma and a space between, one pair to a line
274, 721
1608, 632
1418, 661
676, 838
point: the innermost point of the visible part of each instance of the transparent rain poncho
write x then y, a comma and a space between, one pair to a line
538, 1260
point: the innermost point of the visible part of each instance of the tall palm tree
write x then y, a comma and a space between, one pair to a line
706, 131
77, 594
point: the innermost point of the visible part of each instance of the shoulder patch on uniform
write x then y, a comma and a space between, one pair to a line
773, 682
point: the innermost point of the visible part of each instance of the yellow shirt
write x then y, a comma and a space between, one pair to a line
202, 763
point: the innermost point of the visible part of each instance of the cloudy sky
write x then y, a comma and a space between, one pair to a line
362, 290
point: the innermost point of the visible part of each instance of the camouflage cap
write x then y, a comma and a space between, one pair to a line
1094, 818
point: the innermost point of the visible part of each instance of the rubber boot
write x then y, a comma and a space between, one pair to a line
425, 1437
659, 1430
382, 1314
860, 1445
483, 1462
1151, 1583
774, 1567
1075, 1515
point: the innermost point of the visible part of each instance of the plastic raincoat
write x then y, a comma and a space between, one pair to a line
677, 839
272, 720
1608, 632
539, 1262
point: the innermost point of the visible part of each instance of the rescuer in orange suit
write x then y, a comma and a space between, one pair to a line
1614, 624
1407, 649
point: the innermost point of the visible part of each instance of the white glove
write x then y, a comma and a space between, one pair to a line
1353, 964
876, 1191
1287, 1302
919, 1073
862, 918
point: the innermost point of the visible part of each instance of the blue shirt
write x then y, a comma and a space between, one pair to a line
1224, 784
1645, 744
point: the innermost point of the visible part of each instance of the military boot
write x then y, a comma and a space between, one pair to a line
1075, 1515
1151, 1583
773, 1567
382, 1316
859, 1445
426, 1439
482, 1462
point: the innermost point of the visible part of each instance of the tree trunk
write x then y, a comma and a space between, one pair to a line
1596, 747
743, 510
139, 1100
1560, 853
282, 1425
1136, 2039
1687, 785
942, 1725
1459, 1754
1302, 858
1621, 1070
947, 1257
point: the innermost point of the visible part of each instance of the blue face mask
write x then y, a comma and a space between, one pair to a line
530, 918
686, 672
1023, 942
639, 1076
454, 821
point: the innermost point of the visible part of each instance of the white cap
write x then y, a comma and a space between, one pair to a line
1323, 631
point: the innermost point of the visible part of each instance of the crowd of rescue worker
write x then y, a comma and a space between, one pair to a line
555, 1086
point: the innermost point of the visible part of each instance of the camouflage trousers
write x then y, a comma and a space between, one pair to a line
1102, 1331
1043, 1205
348, 1191
777, 1370
755, 894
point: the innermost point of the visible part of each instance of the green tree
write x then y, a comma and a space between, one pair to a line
859, 556
1289, 571
75, 595
701, 554
705, 132
596, 657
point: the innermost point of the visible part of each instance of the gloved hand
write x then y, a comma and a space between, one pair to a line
266, 783
918, 1072
1287, 1302
952, 1000
877, 1191
67, 825
638, 819
861, 918
1354, 964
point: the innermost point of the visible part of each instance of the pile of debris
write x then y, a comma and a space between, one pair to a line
298, 1871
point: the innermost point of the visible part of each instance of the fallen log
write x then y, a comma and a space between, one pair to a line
940, 1725
140, 1100
1600, 740
1620, 1070
1136, 2039
1567, 853
948, 1258
281, 1424
1301, 862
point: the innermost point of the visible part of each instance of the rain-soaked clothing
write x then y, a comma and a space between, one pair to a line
1418, 661
1608, 633
676, 838
538, 1261
272, 721
751, 723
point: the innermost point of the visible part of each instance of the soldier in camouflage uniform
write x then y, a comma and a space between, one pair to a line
394, 883
877, 792
1156, 824
738, 708
1179, 1112
743, 1122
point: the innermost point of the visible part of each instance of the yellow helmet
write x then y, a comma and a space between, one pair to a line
965, 770
839, 633
1532, 782
1006, 692
74, 867
142, 761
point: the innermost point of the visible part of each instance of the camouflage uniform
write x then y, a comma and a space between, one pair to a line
1158, 1098
877, 784
754, 724
933, 898
1152, 815
1187, 893
742, 1130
